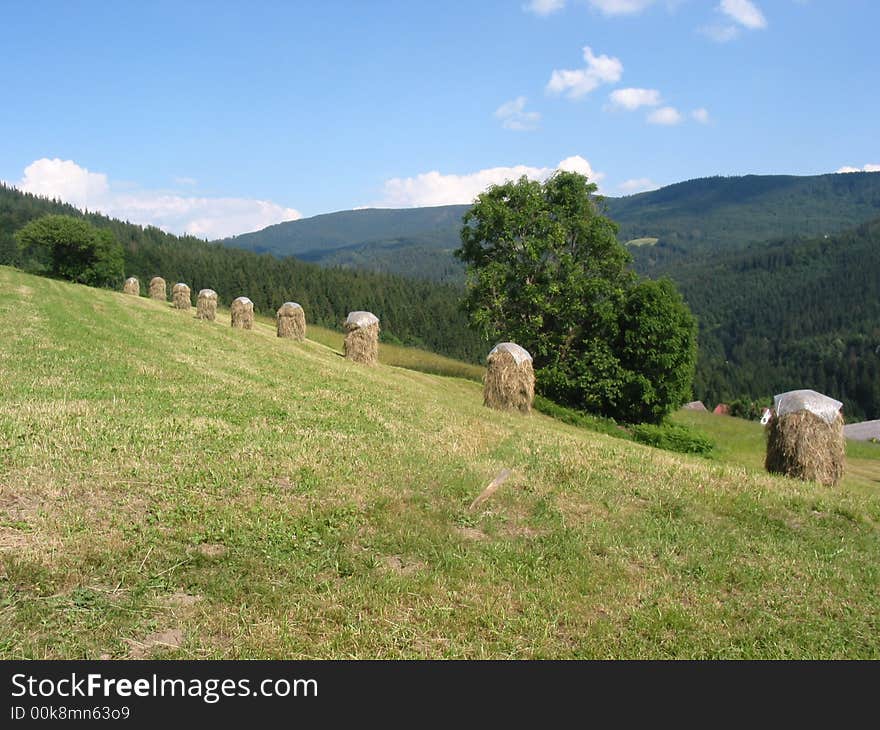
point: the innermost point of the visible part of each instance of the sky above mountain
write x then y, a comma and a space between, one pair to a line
217, 118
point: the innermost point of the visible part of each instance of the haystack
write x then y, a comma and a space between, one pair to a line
242, 310
291, 321
132, 286
180, 296
362, 338
805, 438
206, 307
158, 290
509, 383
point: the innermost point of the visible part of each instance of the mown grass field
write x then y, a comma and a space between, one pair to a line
172, 488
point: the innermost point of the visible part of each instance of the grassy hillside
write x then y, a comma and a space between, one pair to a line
174, 488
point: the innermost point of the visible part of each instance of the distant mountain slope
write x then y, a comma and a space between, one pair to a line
689, 217
307, 237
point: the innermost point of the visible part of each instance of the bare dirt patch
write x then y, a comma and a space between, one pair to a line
167, 639
212, 550
471, 533
401, 566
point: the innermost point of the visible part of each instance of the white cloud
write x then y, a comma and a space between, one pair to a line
576, 83
435, 188
720, 33
620, 7
744, 12
631, 99
200, 216
700, 115
865, 168
513, 115
66, 180
544, 7
666, 115
189, 181
638, 185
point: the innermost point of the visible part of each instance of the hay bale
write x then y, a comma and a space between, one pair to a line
361, 338
132, 286
805, 438
291, 321
158, 290
180, 297
206, 306
509, 383
242, 311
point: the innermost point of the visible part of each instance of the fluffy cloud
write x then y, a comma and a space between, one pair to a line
620, 7
200, 216
666, 115
638, 185
435, 188
739, 14
743, 12
544, 7
631, 99
579, 82
700, 115
513, 115
865, 168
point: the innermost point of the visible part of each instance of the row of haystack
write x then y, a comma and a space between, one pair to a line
509, 383
362, 328
804, 436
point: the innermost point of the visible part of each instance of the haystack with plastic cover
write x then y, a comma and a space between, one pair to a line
158, 289
206, 305
362, 338
509, 383
805, 437
131, 286
291, 321
180, 296
242, 313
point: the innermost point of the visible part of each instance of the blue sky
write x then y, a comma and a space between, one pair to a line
218, 118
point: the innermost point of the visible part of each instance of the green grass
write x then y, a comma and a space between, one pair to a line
175, 488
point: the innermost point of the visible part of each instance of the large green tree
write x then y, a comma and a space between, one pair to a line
71, 248
546, 270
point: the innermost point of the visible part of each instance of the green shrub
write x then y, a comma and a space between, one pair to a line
673, 437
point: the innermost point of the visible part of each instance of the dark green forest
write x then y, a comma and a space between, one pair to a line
790, 314
413, 312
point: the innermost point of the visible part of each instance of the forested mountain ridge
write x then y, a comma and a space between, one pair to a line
790, 314
688, 218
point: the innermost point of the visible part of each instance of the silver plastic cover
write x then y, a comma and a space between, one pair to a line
807, 400
361, 319
520, 354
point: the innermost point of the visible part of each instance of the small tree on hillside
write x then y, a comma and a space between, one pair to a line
71, 248
545, 269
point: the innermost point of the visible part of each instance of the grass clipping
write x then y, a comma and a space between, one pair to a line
206, 306
242, 313
804, 446
509, 383
361, 338
180, 297
158, 289
291, 321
